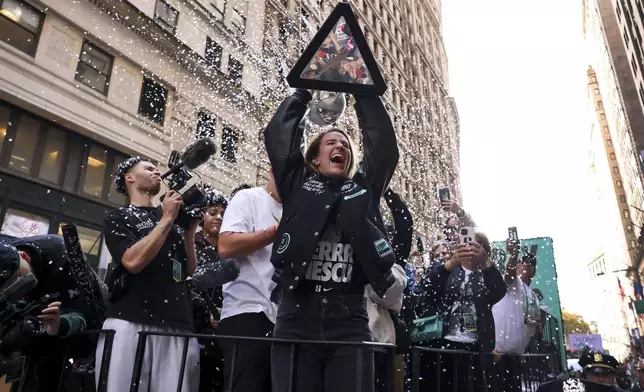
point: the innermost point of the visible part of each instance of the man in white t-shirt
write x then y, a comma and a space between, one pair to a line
247, 235
517, 316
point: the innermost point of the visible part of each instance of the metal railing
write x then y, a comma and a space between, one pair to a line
517, 373
361, 346
512, 373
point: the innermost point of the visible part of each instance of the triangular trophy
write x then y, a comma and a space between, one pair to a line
338, 59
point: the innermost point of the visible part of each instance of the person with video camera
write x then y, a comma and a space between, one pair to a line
330, 243
148, 288
36, 270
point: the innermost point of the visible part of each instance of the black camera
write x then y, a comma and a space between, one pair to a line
19, 323
180, 164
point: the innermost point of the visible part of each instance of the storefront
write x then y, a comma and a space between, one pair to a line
50, 176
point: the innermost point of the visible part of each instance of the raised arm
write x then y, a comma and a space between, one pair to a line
404, 225
239, 237
283, 139
380, 155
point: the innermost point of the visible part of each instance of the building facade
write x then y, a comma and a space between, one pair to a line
615, 169
85, 84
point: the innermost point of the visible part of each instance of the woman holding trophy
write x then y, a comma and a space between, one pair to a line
330, 244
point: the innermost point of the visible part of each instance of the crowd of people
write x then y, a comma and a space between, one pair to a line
318, 264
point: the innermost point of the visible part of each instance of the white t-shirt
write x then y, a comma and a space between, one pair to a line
512, 333
251, 210
463, 314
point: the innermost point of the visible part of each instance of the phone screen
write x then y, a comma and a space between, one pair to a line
420, 245
443, 194
512, 233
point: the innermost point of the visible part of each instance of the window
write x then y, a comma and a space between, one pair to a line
612, 156
593, 79
229, 140
600, 105
602, 116
622, 199
5, 112
206, 123
94, 67
606, 130
51, 166
24, 224
618, 183
153, 99
609, 142
629, 228
213, 53
113, 195
20, 25
626, 214
166, 15
615, 170
235, 69
218, 8
238, 21
24, 147
94, 177
633, 244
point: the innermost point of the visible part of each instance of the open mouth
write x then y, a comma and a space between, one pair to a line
338, 159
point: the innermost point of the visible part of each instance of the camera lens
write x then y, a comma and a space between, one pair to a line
464, 231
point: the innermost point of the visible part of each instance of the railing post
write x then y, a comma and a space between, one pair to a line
391, 372
232, 367
415, 369
184, 355
138, 362
291, 368
105, 361
359, 365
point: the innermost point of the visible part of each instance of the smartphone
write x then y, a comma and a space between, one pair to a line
512, 234
443, 194
466, 235
420, 245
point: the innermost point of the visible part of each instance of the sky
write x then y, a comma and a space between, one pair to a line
518, 74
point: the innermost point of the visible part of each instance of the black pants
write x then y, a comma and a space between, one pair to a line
453, 372
252, 370
322, 368
211, 376
507, 374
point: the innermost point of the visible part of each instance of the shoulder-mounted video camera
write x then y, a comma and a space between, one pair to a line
180, 164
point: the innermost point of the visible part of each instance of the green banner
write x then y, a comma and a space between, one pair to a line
639, 306
545, 280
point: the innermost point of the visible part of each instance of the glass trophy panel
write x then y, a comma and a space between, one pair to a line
338, 59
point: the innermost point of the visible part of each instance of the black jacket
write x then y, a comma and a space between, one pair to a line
403, 227
444, 289
309, 198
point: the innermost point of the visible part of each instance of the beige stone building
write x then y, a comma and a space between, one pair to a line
617, 175
85, 83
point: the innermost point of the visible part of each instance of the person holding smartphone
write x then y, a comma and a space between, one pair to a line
330, 244
466, 287
517, 317
460, 218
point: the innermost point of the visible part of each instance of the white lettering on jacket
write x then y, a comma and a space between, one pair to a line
331, 261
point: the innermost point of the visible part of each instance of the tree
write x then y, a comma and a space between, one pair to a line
574, 323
